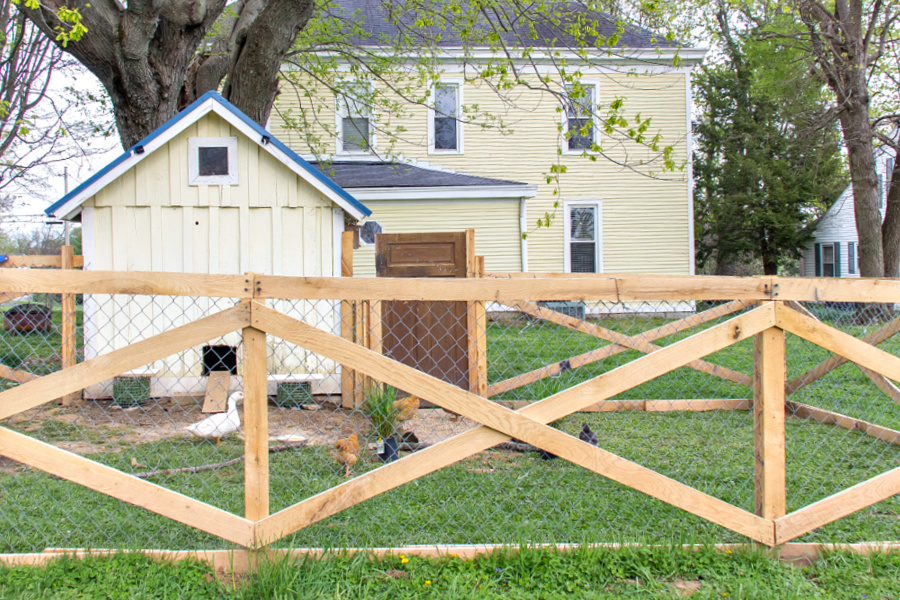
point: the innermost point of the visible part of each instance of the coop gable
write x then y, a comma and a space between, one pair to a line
210, 154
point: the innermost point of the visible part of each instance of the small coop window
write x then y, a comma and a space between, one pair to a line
212, 161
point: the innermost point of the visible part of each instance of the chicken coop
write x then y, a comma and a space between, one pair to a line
209, 192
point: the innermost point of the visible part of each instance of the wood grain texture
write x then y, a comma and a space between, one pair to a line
116, 484
256, 424
49, 387
768, 424
17, 376
837, 506
851, 348
526, 424
68, 346
17, 261
217, 386
124, 282
827, 417
477, 336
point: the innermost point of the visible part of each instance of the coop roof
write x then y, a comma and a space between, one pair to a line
69, 205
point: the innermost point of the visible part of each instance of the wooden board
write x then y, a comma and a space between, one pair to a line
27, 281
216, 398
826, 417
117, 484
256, 425
137, 355
768, 424
68, 345
526, 424
17, 261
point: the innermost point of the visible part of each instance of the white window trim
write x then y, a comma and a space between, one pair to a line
340, 111
194, 145
458, 82
596, 203
563, 141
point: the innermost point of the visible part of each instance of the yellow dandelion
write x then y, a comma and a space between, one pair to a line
427, 582
728, 552
454, 556
403, 560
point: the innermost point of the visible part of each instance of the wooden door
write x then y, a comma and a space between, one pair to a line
429, 336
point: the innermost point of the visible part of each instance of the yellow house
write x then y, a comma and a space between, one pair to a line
208, 192
615, 211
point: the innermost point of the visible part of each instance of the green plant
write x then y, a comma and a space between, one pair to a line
379, 407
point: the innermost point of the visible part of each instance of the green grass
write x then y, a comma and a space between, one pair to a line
503, 497
589, 573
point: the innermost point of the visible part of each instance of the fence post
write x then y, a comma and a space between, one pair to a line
68, 346
768, 423
349, 392
477, 336
256, 425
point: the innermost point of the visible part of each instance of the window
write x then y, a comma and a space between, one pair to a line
828, 260
354, 121
851, 258
580, 104
212, 161
444, 128
582, 234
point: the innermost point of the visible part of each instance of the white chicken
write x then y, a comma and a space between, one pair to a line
219, 425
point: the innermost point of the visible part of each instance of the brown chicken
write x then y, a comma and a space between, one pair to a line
406, 408
347, 453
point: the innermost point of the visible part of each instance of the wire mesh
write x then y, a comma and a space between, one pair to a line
328, 422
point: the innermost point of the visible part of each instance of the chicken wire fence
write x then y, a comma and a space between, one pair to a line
327, 422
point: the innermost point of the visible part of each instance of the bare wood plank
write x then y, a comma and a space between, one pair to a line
768, 424
256, 424
821, 289
67, 324
49, 387
477, 337
37, 261
360, 336
883, 333
348, 377
882, 383
116, 484
697, 405
28, 281
601, 353
9, 296
217, 385
14, 375
837, 506
616, 405
513, 424
827, 417
636, 342
838, 342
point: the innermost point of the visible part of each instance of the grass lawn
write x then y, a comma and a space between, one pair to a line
506, 497
528, 574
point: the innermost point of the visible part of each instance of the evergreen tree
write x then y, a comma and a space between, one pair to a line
765, 170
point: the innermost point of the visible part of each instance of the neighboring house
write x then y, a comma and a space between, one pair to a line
834, 251
612, 215
210, 191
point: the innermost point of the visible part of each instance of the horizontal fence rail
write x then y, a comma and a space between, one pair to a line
259, 410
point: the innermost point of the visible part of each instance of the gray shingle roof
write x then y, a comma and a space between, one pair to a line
351, 175
516, 22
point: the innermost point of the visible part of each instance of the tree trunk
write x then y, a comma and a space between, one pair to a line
890, 229
858, 136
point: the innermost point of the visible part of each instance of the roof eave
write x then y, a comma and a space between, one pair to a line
456, 192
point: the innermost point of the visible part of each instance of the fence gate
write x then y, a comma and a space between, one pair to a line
432, 337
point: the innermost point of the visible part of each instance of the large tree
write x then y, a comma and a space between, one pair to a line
763, 171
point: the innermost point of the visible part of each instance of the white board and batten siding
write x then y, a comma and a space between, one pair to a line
150, 219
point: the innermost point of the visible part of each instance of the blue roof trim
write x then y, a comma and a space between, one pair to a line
237, 113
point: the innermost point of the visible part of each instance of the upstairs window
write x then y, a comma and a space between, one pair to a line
212, 161
354, 121
582, 234
445, 131
580, 105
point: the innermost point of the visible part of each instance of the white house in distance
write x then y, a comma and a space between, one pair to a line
210, 191
834, 251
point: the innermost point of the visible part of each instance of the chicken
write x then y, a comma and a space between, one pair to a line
586, 435
219, 425
406, 408
347, 452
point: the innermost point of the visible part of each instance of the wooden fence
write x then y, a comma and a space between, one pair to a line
772, 314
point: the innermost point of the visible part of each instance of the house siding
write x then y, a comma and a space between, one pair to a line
646, 220
496, 225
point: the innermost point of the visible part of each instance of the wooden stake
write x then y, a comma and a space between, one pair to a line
348, 379
68, 346
256, 425
477, 339
768, 423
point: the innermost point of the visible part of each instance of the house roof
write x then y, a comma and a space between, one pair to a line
69, 205
392, 174
520, 21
